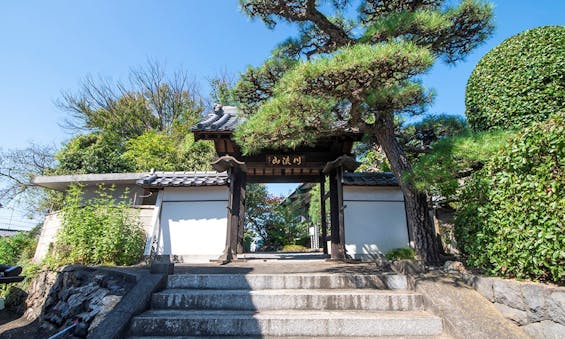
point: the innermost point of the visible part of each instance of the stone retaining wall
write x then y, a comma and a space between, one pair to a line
538, 308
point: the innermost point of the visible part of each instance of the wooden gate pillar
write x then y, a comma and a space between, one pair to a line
336, 216
236, 208
323, 213
335, 170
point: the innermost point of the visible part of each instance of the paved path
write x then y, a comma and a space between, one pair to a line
279, 263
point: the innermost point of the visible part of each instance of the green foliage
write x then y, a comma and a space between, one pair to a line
222, 91
135, 128
104, 231
93, 153
519, 82
450, 159
511, 216
256, 84
417, 137
356, 70
307, 97
401, 253
289, 130
267, 218
19, 248
294, 248
151, 150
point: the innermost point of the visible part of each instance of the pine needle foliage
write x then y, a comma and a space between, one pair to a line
355, 70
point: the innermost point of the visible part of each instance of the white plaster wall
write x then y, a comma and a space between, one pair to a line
51, 225
133, 197
375, 220
194, 223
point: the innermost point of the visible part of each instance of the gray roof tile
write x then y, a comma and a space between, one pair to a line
183, 179
369, 179
223, 119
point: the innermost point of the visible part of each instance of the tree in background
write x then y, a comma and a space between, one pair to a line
268, 219
96, 152
358, 73
17, 167
135, 127
519, 82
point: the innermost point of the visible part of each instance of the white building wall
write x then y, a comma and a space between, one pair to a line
193, 223
53, 223
375, 220
48, 235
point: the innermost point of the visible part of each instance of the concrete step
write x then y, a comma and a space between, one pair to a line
309, 299
442, 336
285, 323
286, 281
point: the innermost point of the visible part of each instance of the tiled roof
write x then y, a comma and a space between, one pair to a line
223, 119
370, 179
183, 179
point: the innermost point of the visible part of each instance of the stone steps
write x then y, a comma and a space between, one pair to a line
285, 323
308, 299
286, 305
287, 281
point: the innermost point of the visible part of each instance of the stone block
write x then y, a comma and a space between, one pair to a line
485, 287
411, 267
518, 316
535, 296
556, 306
395, 281
162, 267
545, 329
508, 292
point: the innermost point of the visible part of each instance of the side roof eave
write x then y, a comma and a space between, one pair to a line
62, 182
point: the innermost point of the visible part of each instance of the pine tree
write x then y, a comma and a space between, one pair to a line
356, 69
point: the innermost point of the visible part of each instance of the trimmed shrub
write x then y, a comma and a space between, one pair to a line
519, 82
511, 218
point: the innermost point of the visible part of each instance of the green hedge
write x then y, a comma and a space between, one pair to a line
511, 218
519, 82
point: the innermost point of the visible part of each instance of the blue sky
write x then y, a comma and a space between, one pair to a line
48, 46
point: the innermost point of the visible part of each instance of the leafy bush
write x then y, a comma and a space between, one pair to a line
101, 232
401, 253
519, 82
19, 248
511, 216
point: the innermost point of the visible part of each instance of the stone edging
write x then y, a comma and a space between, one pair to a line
538, 308
137, 300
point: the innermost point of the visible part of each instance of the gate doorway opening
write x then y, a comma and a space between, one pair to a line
326, 160
282, 221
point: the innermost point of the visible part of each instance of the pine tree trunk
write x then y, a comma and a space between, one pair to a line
427, 243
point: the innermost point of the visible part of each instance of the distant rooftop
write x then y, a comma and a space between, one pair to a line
183, 179
145, 179
62, 182
370, 179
